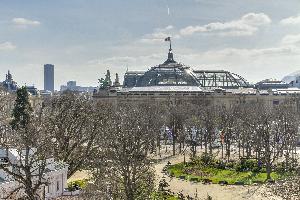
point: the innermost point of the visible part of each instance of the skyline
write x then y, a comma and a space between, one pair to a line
254, 39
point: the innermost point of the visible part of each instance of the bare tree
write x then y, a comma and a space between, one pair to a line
6, 105
155, 120
176, 117
209, 124
75, 123
30, 146
228, 125
193, 128
123, 170
286, 126
276, 132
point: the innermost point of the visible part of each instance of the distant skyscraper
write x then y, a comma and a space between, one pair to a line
49, 77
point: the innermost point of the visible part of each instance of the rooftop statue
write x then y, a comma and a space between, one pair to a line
117, 80
105, 83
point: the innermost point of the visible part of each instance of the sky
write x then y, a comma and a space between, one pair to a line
256, 39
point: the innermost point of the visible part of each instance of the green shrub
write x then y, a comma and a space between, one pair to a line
81, 183
247, 165
282, 167
163, 196
220, 164
172, 174
207, 159
256, 169
230, 164
195, 161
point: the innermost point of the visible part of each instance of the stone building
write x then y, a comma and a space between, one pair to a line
9, 84
56, 176
175, 82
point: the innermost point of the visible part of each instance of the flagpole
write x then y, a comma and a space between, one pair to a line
170, 54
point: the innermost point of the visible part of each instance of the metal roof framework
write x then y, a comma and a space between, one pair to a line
219, 79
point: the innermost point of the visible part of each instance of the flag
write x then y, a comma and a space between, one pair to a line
168, 39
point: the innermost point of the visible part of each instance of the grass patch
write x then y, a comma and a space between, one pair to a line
216, 175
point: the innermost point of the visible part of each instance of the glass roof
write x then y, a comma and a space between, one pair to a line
171, 73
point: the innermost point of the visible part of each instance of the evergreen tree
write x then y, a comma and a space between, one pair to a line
22, 110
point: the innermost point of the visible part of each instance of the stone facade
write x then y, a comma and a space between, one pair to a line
56, 176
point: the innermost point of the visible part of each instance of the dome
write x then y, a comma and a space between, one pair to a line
168, 74
171, 73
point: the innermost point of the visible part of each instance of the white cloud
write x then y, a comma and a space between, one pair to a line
168, 27
245, 26
7, 46
294, 20
159, 35
228, 58
243, 61
22, 22
122, 61
291, 40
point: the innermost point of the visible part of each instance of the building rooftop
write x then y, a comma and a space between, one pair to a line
165, 89
172, 73
271, 84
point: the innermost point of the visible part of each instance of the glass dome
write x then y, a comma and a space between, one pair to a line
171, 73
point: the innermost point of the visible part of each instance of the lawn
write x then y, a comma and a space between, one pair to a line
192, 173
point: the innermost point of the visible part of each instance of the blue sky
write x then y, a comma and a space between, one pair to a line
257, 39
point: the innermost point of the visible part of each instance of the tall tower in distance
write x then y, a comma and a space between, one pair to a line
49, 77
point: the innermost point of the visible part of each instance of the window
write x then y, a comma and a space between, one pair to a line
4, 160
57, 186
